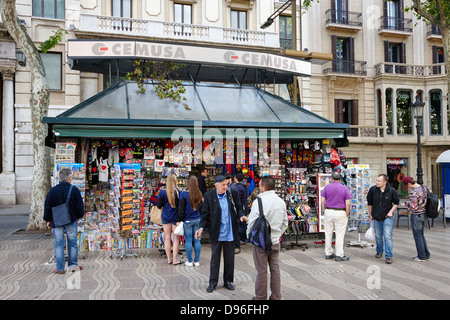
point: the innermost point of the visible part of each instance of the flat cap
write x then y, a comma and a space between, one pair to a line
219, 178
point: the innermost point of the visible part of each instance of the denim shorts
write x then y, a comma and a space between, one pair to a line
163, 221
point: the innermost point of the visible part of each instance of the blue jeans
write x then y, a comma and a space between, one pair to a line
418, 225
383, 235
190, 227
72, 246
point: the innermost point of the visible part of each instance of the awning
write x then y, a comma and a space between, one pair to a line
122, 111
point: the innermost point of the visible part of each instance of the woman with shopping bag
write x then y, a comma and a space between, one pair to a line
168, 200
189, 215
383, 200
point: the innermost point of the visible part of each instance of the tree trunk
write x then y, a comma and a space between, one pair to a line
39, 102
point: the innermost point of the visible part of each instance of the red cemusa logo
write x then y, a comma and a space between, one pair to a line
230, 56
99, 49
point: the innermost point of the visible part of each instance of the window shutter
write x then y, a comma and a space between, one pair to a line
351, 44
333, 46
385, 15
333, 11
339, 111
403, 53
386, 51
435, 54
354, 113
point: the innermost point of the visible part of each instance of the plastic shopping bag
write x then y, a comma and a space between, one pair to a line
370, 233
179, 230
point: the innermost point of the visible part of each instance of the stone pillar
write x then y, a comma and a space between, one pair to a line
8, 176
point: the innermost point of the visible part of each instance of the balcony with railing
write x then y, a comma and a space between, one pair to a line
409, 70
434, 33
395, 25
342, 19
345, 67
176, 31
365, 132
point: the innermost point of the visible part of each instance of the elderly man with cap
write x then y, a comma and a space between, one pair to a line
221, 211
336, 206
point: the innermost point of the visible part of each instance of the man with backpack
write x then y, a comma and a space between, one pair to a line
417, 206
274, 211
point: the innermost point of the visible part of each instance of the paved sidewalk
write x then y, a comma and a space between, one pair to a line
306, 275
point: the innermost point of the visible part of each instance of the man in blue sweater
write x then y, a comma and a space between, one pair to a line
58, 196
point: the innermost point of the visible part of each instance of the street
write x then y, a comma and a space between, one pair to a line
26, 274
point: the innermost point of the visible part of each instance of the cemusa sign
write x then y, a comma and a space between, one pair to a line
87, 49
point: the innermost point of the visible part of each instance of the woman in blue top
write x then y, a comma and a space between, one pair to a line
168, 200
189, 213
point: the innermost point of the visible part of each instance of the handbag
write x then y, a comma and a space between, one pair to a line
179, 230
61, 215
155, 215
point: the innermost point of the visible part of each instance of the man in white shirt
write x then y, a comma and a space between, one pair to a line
275, 212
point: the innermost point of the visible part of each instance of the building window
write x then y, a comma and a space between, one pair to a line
393, 17
182, 13
343, 50
53, 69
379, 109
435, 112
438, 57
389, 113
286, 32
339, 11
53, 9
404, 112
395, 53
346, 111
238, 19
121, 9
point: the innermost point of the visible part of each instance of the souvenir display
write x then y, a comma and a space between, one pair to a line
358, 181
120, 180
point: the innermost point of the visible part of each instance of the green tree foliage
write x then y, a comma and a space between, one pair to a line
159, 73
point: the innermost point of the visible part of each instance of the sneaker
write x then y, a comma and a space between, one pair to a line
389, 260
59, 272
378, 255
331, 256
416, 259
188, 264
196, 264
344, 258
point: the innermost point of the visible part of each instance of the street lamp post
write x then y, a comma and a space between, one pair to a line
417, 109
268, 23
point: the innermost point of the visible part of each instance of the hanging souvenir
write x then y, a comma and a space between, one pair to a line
103, 170
149, 153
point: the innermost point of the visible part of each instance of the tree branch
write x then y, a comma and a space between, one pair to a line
419, 8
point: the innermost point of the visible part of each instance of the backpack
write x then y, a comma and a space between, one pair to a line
260, 233
432, 206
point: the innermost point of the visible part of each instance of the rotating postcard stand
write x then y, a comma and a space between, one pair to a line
358, 181
363, 226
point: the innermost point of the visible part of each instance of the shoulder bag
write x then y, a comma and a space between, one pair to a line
61, 215
155, 215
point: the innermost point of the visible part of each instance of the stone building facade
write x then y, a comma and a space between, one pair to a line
381, 60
